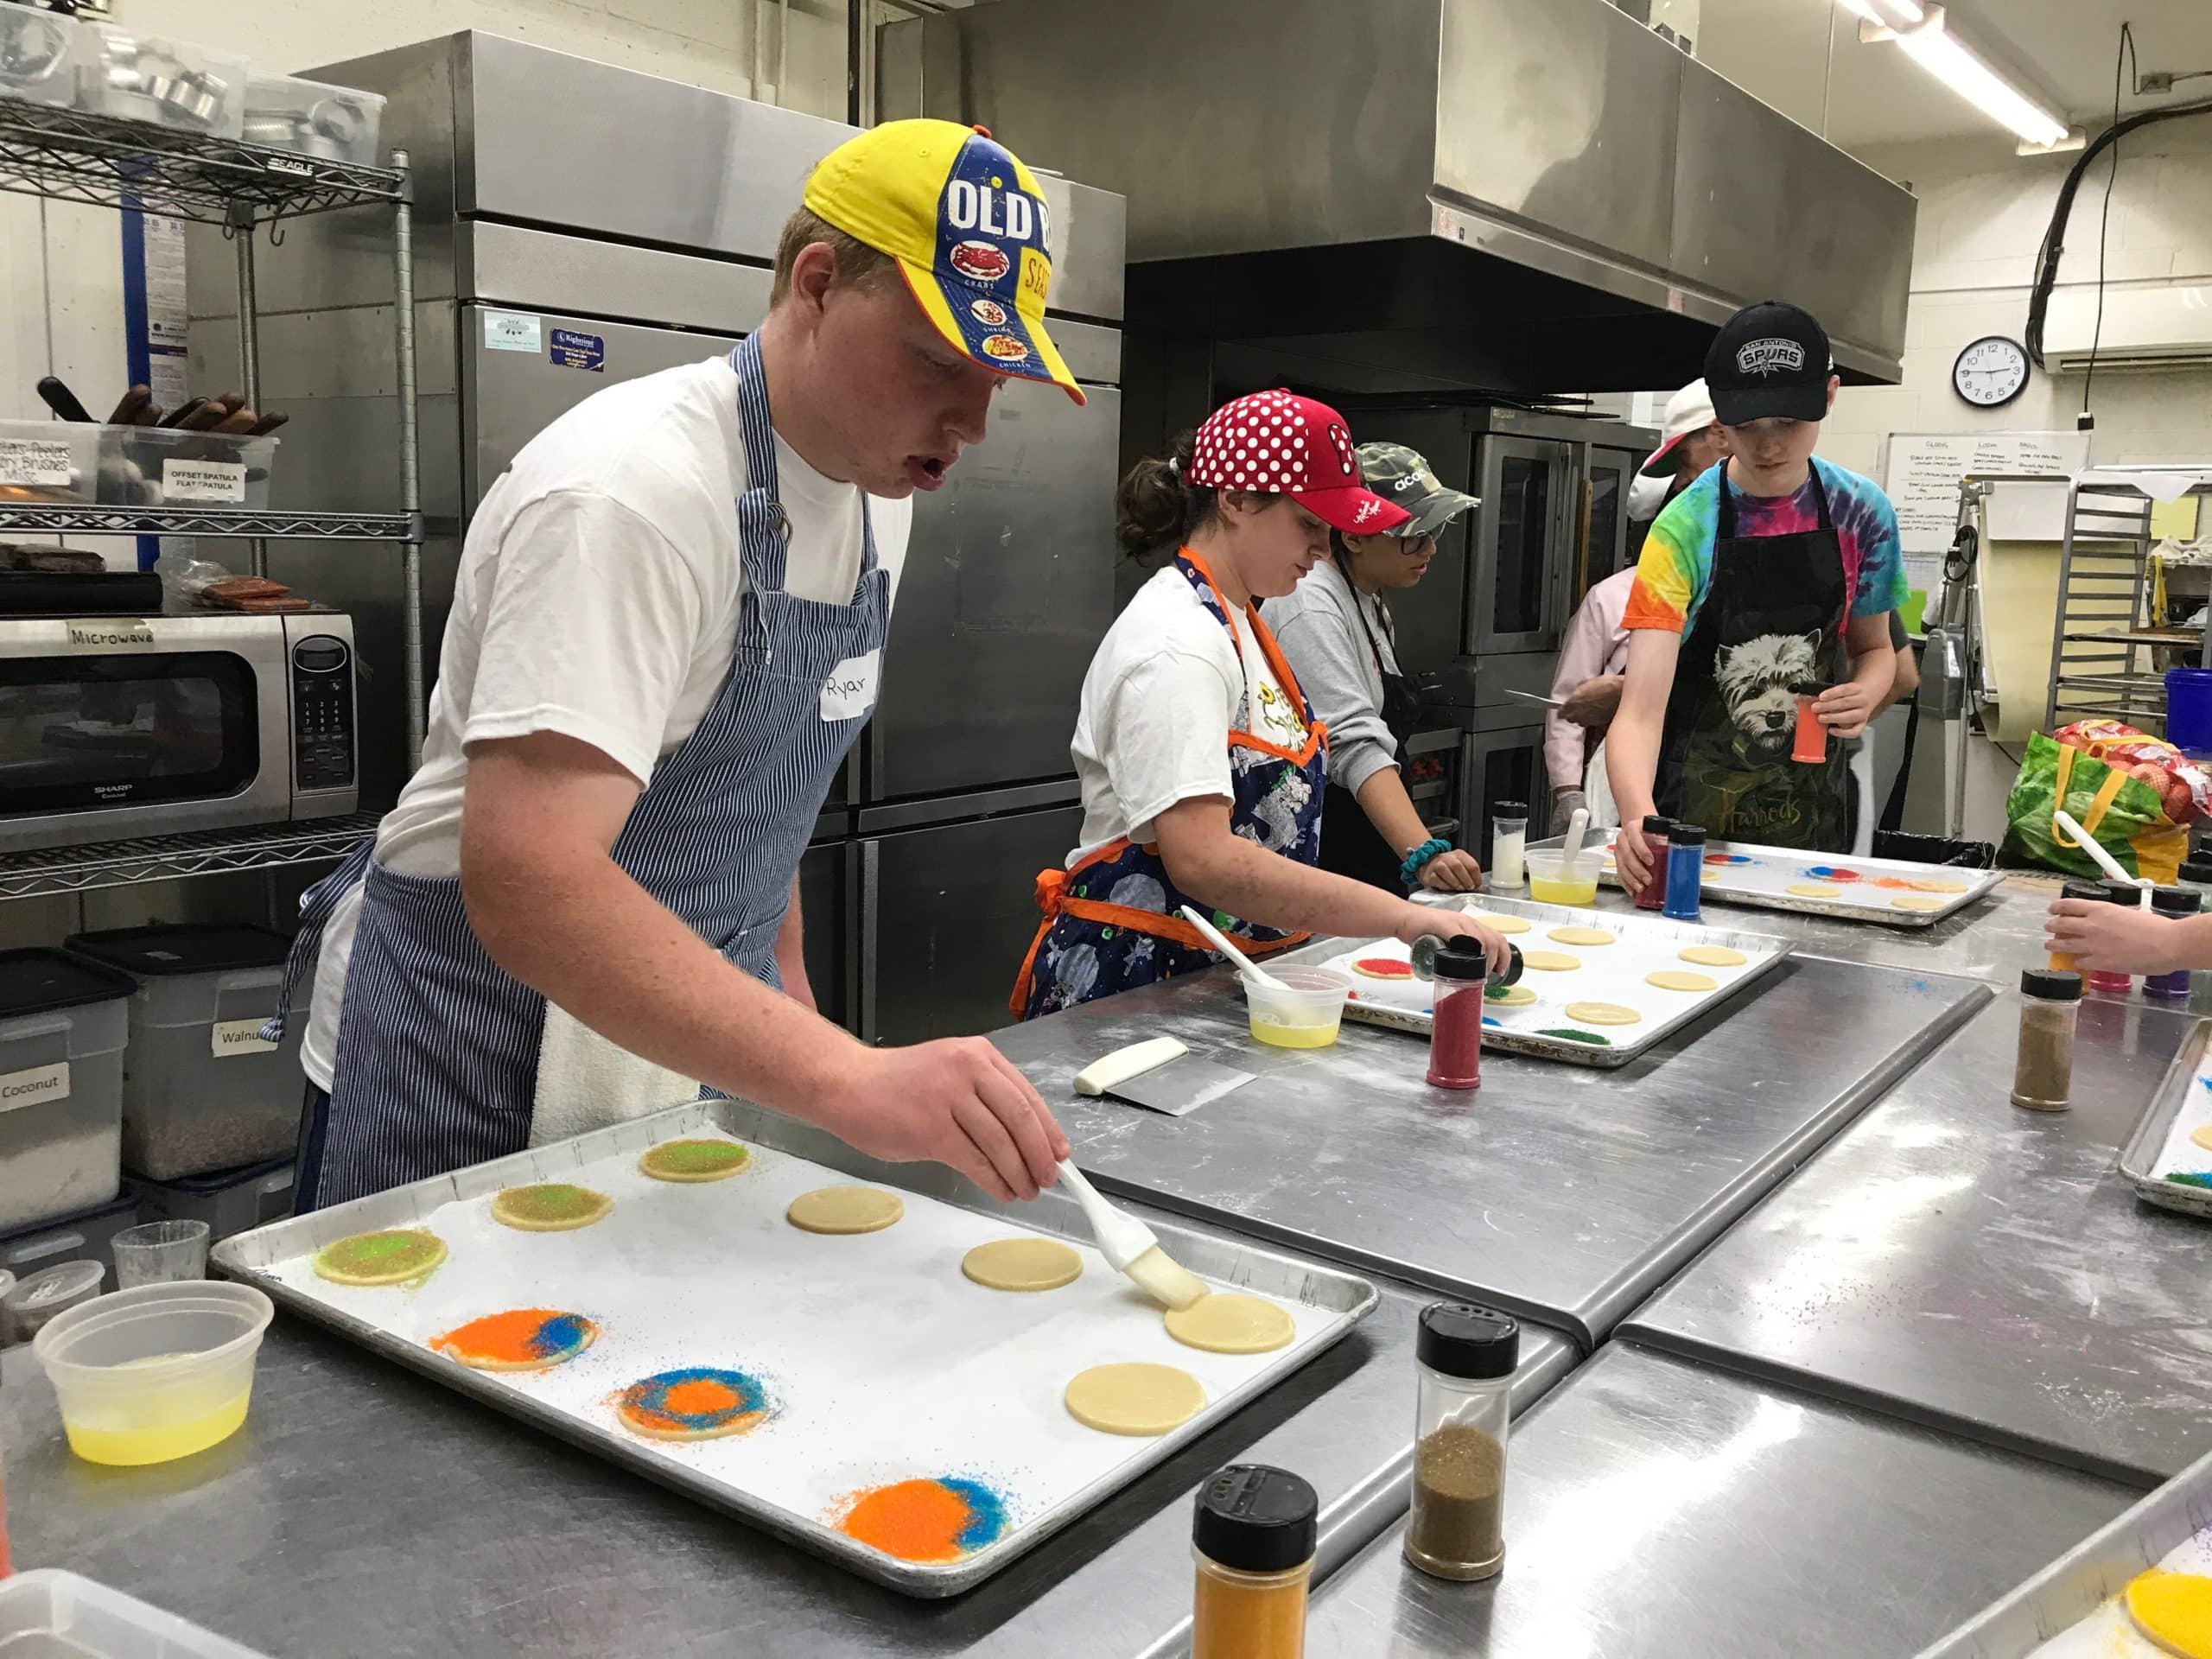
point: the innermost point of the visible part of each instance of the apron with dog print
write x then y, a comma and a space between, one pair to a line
1773, 618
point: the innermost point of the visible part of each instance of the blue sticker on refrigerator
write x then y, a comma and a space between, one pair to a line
574, 351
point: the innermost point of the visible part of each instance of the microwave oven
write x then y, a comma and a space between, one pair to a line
118, 727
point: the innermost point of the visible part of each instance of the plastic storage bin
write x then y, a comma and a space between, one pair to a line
161, 467
50, 460
231, 1201
336, 124
200, 1091
51, 1611
62, 1025
156, 77
38, 56
82, 1238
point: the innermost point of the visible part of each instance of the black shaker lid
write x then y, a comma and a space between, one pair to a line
2051, 985
2197, 869
2094, 892
1460, 1339
1509, 810
1686, 834
2175, 902
1256, 1518
1656, 826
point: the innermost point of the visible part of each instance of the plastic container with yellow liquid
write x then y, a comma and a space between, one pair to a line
1306, 1015
157, 1373
1553, 880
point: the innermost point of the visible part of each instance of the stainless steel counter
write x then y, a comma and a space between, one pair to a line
1565, 1194
363, 1509
1658, 1508
1978, 1266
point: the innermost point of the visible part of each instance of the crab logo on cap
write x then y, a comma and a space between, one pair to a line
1770, 356
985, 261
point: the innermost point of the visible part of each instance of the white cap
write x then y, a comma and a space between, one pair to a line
1688, 411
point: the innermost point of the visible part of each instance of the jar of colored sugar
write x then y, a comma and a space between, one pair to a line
1254, 1535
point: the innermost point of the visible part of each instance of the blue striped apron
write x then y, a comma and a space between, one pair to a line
436, 1063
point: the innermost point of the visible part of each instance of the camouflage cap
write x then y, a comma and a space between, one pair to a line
1401, 477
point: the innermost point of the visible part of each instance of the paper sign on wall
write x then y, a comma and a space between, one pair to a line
34, 1086
513, 331
229, 1039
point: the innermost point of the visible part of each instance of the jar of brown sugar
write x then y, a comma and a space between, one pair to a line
1466, 1358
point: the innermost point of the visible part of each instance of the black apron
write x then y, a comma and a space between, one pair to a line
1350, 844
1773, 617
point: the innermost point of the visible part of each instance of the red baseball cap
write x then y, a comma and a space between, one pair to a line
1283, 444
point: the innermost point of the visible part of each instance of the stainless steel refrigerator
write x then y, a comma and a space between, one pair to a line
559, 198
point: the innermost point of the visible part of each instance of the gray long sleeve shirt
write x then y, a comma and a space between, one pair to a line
1318, 625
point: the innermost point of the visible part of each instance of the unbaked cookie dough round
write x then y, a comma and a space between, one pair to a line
1023, 1264
1916, 901
1513, 996
2202, 1136
549, 1207
1580, 936
694, 1161
1938, 884
1713, 956
1502, 924
1549, 961
1227, 1323
1134, 1398
397, 1256
1815, 890
1601, 1014
1675, 979
1382, 968
2173, 1611
845, 1210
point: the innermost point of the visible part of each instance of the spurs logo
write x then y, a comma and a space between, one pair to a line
1769, 357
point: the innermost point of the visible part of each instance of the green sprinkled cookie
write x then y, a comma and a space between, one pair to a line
695, 1161
550, 1207
395, 1257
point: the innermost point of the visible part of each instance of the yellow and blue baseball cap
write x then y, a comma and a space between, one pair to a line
967, 223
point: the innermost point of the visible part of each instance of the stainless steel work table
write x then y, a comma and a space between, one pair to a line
1561, 1193
1658, 1508
363, 1509
1978, 1266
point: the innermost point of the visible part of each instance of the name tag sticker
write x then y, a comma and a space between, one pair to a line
849, 692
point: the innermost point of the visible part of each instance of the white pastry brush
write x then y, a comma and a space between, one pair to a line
1132, 1247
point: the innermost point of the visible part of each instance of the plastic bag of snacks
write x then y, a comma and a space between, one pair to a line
2126, 815
2184, 786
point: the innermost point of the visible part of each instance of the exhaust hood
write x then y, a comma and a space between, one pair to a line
1409, 196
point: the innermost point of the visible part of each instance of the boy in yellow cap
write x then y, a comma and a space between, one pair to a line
667, 630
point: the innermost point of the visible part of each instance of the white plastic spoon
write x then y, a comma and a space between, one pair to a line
1219, 940
2106, 861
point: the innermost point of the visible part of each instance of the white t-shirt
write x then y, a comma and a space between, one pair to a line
597, 596
1153, 726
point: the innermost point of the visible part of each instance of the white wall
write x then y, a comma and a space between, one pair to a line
1982, 214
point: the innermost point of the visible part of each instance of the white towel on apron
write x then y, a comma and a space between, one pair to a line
1598, 791
587, 1082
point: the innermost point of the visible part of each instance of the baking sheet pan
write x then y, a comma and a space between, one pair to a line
2161, 1142
2066, 1611
1764, 876
1610, 973
885, 1363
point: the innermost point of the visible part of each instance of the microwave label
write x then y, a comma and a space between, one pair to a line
36, 461
513, 331
574, 351
111, 634
34, 1087
228, 1038
203, 480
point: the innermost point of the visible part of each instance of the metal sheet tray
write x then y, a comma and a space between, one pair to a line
267, 1256
2143, 1156
2076, 1586
1766, 952
1763, 886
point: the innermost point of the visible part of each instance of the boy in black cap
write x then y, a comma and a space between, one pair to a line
1767, 574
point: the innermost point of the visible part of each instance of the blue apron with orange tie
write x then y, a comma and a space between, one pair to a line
1115, 922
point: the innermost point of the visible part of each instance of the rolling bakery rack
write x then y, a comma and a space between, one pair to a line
107, 162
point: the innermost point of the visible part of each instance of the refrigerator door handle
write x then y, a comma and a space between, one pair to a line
871, 883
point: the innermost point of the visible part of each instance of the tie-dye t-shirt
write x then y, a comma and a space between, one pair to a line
1675, 571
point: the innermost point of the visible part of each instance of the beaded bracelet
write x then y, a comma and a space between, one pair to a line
1410, 872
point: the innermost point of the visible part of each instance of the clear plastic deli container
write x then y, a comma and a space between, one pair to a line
49, 460
49, 1612
38, 56
231, 1201
88, 1235
62, 1025
336, 124
200, 1091
159, 79
164, 467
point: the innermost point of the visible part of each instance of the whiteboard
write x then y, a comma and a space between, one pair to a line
1926, 469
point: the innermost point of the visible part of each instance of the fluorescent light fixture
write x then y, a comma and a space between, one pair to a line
1928, 41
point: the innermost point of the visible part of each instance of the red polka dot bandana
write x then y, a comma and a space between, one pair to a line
1286, 445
